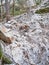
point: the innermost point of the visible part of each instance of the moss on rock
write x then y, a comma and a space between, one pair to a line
44, 10
6, 60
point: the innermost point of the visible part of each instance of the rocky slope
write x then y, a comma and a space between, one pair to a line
30, 39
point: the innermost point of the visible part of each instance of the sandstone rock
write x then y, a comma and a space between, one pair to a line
4, 37
4, 34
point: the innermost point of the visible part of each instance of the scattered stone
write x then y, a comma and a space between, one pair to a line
26, 54
33, 30
25, 28
17, 63
41, 24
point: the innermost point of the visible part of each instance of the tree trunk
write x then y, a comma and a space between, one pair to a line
13, 7
1, 10
0, 62
7, 7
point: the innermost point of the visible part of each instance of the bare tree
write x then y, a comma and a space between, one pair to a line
13, 7
7, 7
1, 10
21, 3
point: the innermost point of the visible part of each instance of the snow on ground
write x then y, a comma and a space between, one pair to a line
31, 39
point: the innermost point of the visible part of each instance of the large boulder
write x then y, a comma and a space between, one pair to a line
4, 36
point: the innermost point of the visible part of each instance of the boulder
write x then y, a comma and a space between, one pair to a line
4, 37
3, 34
